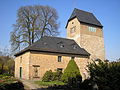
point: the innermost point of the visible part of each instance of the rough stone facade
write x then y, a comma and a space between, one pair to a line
76, 35
43, 62
93, 42
22, 61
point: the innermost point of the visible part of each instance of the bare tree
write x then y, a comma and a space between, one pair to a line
33, 22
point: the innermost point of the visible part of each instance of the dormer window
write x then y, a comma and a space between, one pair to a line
45, 43
60, 44
74, 46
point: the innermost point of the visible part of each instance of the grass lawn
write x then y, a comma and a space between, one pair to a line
51, 83
6, 79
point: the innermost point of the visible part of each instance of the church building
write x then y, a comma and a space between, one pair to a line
84, 43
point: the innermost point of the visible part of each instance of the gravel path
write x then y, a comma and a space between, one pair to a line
30, 85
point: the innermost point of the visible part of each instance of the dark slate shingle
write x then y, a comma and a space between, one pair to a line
85, 17
56, 45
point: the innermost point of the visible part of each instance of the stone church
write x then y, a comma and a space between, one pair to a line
84, 43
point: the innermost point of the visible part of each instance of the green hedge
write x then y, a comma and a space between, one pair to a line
48, 76
105, 75
57, 76
52, 76
71, 72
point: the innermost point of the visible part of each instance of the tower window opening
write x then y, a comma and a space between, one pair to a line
92, 29
72, 30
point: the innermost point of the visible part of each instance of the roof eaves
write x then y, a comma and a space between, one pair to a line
70, 20
61, 53
21, 52
91, 24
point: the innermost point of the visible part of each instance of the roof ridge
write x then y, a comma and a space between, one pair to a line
59, 37
82, 10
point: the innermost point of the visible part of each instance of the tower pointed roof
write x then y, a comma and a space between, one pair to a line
84, 17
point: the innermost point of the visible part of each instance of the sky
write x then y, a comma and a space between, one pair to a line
106, 11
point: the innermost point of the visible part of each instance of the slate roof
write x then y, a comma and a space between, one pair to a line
56, 45
84, 17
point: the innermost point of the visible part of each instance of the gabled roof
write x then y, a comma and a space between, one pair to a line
84, 17
56, 45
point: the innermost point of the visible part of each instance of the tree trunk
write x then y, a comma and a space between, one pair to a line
2, 69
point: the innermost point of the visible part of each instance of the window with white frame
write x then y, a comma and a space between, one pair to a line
91, 29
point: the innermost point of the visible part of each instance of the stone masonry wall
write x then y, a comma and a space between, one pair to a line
93, 42
22, 61
45, 62
50, 62
76, 35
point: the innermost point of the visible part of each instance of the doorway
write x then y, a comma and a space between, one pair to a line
20, 72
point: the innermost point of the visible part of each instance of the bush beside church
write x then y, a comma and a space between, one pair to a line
71, 75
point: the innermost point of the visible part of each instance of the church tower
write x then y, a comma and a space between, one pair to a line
87, 31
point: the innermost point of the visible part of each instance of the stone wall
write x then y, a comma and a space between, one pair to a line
45, 62
22, 61
76, 35
93, 42
82, 64
95, 48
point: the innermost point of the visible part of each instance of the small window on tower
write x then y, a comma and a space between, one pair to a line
72, 30
92, 29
